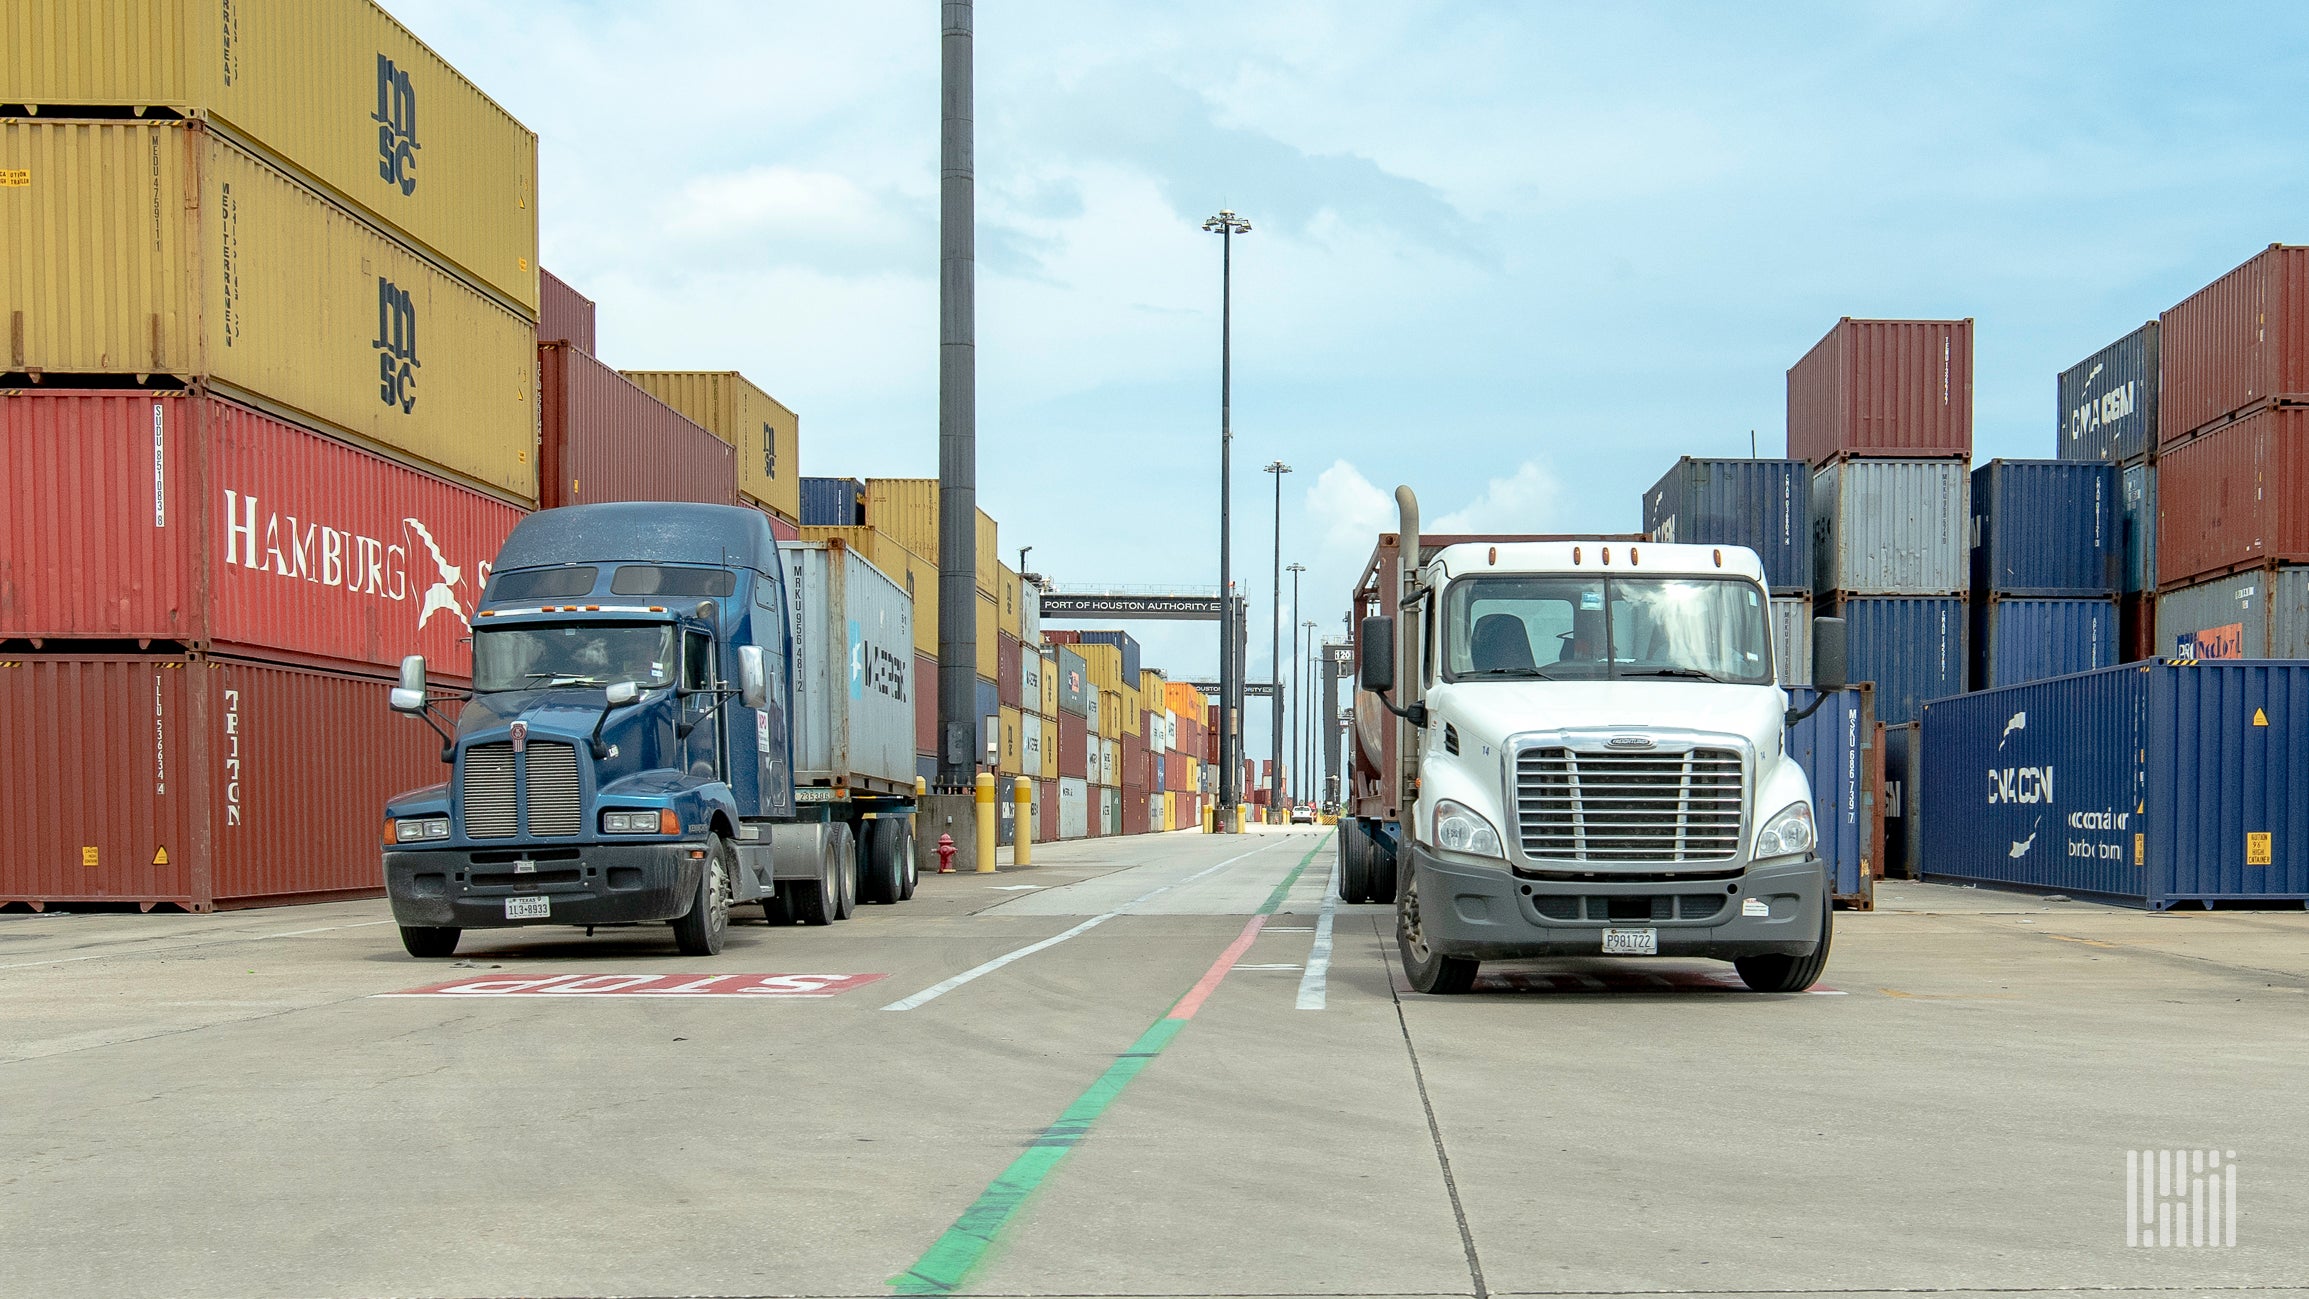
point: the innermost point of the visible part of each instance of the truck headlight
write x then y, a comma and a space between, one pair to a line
1460, 829
1788, 832
662, 821
416, 828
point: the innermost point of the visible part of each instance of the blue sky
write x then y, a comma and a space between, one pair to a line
1520, 256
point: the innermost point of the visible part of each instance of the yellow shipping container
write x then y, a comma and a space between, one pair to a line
1133, 711
334, 89
1185, 700
1110, 714
988, 647
918, 575
1049, 682
1049, 747
160, 249
1011, 751
1007, 591
907, 508
766, 434
1104, 663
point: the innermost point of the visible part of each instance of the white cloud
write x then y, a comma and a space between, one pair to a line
1350, 509
1527, 500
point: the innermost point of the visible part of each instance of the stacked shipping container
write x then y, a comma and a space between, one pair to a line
2046, 551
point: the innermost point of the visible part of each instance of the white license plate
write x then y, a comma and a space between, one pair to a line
537, 908
1631, 942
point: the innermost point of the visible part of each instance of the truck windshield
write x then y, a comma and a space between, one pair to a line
572, 654
1593, 628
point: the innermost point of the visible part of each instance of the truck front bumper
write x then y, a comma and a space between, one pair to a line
1490, 913
604, 884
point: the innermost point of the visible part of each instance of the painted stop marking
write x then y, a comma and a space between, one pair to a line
646, 985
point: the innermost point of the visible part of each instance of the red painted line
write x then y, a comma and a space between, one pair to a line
1209, 983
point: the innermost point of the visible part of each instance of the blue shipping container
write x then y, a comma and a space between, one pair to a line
2045, 528
2108, 401
2152, 783
1836, 747
2017, 641
1765, 505
2137, 520
1912, 647
1120, 640
833, 503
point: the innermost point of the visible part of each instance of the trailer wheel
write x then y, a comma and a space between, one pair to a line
700, 933
881, 879
1428, 970
1382, 870
422, 941
818, 901
1354, 862
844, 848
1790, 973
913, 869
777, 908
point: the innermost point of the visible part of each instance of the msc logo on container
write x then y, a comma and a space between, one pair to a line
396, 119
396, 345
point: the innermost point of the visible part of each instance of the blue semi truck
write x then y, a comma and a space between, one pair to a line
670, 715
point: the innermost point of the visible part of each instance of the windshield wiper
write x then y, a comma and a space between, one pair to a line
1692, 674
1529, 673
565, 679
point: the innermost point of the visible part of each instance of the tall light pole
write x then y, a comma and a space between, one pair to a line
1298, 701
1275, 638
1312, 786
957, 407
1226, 225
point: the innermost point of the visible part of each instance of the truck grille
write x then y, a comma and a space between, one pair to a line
486, 781
554, 803
1629, 807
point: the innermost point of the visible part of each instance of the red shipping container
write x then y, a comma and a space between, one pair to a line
2235, 497
1073, 747
603, 439
185, 518
1060, 636
1009, 670
1046, 805
563, 314
2136, 627
781, 528
198, 781
1883, 388
925, 704
2241, 341
1134, 809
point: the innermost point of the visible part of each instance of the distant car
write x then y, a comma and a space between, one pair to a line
1302, 815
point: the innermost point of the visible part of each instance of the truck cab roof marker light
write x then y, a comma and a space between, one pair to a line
1494, 555
1575, 555
1607, 556
1632, 555
1719, 558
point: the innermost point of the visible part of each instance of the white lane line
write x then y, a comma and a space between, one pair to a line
190, 947
1319, 957
937, 990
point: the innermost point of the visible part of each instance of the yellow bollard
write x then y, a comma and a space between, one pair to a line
1022, 832
986, 825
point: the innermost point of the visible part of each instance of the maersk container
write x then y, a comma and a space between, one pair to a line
1891, 527
1765, 505
2154, 784
1836, 747
1912, 649
2235, 497
853, 630
1792, 638
2046, 529
833, 503
1883, 388
564, 315
2262, 613
603, 439
2018, 640
2137, 521
2108, 401
2237, 344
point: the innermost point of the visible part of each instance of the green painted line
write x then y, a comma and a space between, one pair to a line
949, 1261
1283, 890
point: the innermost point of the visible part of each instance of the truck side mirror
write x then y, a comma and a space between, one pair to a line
753, 677
1375, 655
409, 696
621, 693
1829, 668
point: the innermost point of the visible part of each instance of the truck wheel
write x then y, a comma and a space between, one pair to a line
422, 941
881, 880
1428, 970
844, 847
1354, 862
905, 850
777, 908
1790, 973
700, 932
818, 901
1382, 870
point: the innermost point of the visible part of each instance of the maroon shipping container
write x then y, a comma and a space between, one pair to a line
182, 517
2136, 627
603, 439
2235, 497
1046, 809
1073, 747
1883, 388
563, 314
925, 703
780, 528
1060, 636
1009, 670
1134, 809
2241, 341
198, 781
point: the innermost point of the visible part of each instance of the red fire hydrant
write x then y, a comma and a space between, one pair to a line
946, 854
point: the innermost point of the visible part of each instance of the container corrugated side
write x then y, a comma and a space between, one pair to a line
1075, 689
1006, 600
1073, 807
2152, 783
918, 575
833, 502
2237, 343
1030, 744
1898, 388
1127, 667
766, 434
1011, 759
926, 705
564, 315
1891, 527
2046, 528
2108, 401
1008, 677
1912, 649
1836, 747
1765, 505
1030, 686
1792, 639
2261, 613
217, 786
182, 517
2137, 522
986, 713
853, 660
907, 508
336, 89
2235, 497
2021, 640
155, 249
1030, 613
988, 648
603, 439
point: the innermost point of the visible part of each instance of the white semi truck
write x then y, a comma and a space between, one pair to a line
1577, 747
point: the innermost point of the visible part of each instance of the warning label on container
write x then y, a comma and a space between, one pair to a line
2256, 847
646, 985
15, 177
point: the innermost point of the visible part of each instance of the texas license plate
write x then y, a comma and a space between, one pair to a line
1631, 942
538, 908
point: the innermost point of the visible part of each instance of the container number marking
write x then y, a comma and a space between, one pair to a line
2257, 848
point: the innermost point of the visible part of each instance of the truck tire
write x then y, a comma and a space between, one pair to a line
844, 847
1354, 862
1382, 871
700, 933
422, 941
1790, 973
881, 877
777, 908
905, 851
818, 901
1429, 971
